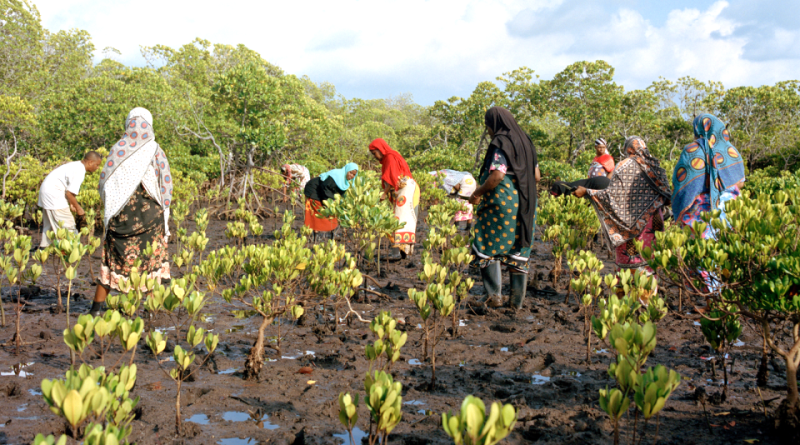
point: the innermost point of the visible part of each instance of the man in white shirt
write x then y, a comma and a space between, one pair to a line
58, 192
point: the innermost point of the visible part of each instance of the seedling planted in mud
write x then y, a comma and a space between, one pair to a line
93, 395
650, 389
434, 304
588, 288
348, 413
384, 401
386, 349
183, 358
721, 328
273, 275
104, 329
471, 426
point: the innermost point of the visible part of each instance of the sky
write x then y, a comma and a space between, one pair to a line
437, 49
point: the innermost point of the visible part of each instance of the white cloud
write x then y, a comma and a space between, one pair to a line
437, 49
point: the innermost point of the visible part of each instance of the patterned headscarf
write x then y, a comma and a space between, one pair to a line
712, 156
638, 189
128, 162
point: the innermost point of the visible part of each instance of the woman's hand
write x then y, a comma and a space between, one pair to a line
475, 199
580, 192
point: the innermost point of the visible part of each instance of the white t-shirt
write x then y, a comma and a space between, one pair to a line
68, 177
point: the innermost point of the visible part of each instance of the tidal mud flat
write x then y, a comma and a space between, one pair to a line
533, 358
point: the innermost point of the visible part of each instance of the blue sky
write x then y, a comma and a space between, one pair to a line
439, 49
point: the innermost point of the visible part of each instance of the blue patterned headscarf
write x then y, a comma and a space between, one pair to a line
710, 155
340, 175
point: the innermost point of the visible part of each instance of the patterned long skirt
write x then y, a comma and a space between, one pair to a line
139, 224
314, 221
496, 237
702, 204
465, 215
405, 210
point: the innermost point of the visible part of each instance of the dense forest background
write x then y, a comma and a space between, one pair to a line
221, 109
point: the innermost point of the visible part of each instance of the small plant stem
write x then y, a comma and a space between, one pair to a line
178, 406
2, 310
18, 338
616, 431
350, 431
658, 424
635, 424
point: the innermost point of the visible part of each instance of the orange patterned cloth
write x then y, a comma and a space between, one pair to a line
314, 221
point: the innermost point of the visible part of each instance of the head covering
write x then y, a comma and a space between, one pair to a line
521, 156
339, 175
127, 163
393, 165
638, 189
600, 141
454, 177
712, 156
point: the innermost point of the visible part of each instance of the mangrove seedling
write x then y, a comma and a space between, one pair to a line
471, 426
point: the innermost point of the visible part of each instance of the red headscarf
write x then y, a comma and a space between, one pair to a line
393, 165
606, 160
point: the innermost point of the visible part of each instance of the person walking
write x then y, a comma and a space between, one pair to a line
136, 190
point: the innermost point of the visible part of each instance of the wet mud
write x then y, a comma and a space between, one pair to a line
533, 358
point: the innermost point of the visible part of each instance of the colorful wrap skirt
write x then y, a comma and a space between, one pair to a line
314, 221
406, 203
139, 224
465, 215
628, 256
693, 214
496, 237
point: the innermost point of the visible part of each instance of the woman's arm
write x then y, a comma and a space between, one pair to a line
494, 179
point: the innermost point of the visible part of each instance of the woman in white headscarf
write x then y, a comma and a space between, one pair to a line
136, 190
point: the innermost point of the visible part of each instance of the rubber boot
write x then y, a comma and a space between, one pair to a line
519, 287
395, 254
97, 309
493, 284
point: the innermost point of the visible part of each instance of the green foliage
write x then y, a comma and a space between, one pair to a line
384, 401
93, 395
753, 263
367, 217
471, 426
386, 348
650, 389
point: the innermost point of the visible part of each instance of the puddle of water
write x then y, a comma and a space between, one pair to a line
461, 365
738, 343
419, 326
503, 349
537, 379
696, 323
22, 407
358, 434
422, 411
18, 370
208, 318
200, 419
414, 402
237, 441
462, 323
414, 362
600, 351
243, 314
235, 328
309, 352
34, 392
235, 416
529, 318
265, 423
227, 371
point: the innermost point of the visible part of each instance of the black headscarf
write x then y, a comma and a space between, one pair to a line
521, 157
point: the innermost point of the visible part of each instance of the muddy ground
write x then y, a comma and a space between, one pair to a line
533, 359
